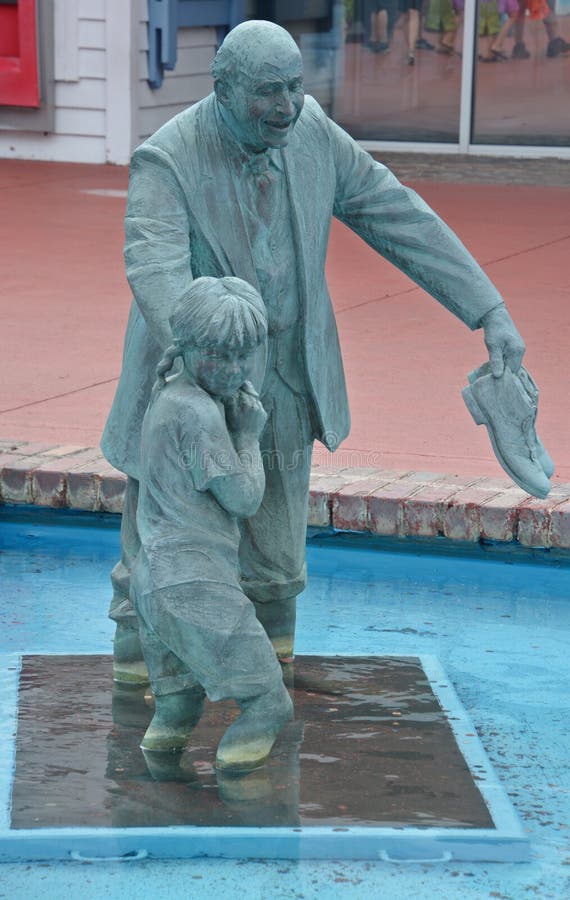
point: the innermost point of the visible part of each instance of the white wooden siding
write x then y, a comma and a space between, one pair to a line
87, 94
52, 147
181, 89
189, 82
92, 63
92, 34
190, 59
92, 9
103, 105
90, 122
80, 94
66, 49
122, 49
80, 105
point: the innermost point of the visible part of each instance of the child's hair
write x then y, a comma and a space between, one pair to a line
215, 313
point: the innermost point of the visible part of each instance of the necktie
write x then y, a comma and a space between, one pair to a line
258, 165
262, 182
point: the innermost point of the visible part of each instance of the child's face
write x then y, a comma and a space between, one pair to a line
220, 372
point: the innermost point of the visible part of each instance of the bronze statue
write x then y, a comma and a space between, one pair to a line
244, 183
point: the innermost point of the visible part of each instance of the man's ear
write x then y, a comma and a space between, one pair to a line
222, 92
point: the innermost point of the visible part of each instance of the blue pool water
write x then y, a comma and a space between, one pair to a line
499, 623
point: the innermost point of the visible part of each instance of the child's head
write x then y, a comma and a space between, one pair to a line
217, 327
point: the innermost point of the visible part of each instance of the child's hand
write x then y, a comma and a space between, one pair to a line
244, 413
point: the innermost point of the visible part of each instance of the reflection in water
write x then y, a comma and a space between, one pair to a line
376, 748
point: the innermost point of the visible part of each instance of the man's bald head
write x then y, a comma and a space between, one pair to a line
251, 46
258, 80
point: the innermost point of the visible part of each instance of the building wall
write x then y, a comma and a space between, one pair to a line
189, 82
103, 105
79, 94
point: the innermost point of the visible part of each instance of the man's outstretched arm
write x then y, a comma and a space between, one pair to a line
397, 223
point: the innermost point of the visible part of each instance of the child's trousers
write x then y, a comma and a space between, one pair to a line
205, 633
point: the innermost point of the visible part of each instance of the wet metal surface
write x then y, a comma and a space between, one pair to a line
377, 750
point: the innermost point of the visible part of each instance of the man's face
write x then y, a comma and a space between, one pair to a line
266, 103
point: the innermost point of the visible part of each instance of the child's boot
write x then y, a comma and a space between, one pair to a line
248, 741
176, 716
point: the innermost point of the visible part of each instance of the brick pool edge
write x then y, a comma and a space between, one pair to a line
378, 501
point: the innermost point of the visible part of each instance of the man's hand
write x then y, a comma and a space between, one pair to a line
504, 343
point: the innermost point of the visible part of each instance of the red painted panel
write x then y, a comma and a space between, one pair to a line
19, 81
9, 36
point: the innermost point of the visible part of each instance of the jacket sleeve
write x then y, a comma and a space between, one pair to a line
397, 223
157, 242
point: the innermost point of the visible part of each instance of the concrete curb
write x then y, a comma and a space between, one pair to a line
377, 501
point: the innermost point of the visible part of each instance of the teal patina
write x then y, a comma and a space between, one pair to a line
245, 183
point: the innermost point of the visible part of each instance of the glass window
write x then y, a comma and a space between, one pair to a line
401, 76
523, 72
390, 70
383, 69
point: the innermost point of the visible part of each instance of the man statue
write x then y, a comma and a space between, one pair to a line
244, 183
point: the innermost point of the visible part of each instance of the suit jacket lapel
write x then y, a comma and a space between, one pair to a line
213, 200
299, 167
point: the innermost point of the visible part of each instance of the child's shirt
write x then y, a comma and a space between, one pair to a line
186, 534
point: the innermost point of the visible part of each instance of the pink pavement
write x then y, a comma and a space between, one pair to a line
64, 304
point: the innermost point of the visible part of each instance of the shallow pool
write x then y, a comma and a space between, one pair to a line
498, 622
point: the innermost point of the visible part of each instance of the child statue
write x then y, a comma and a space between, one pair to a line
202, 472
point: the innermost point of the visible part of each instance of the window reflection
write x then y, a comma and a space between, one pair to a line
384, 69
390, 70
522, 98
402, 72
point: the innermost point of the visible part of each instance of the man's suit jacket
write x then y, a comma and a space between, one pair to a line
184, 220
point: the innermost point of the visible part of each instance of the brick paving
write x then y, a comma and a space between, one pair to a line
468, 169
382, 502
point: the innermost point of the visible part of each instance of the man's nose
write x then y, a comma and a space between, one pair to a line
284, 104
